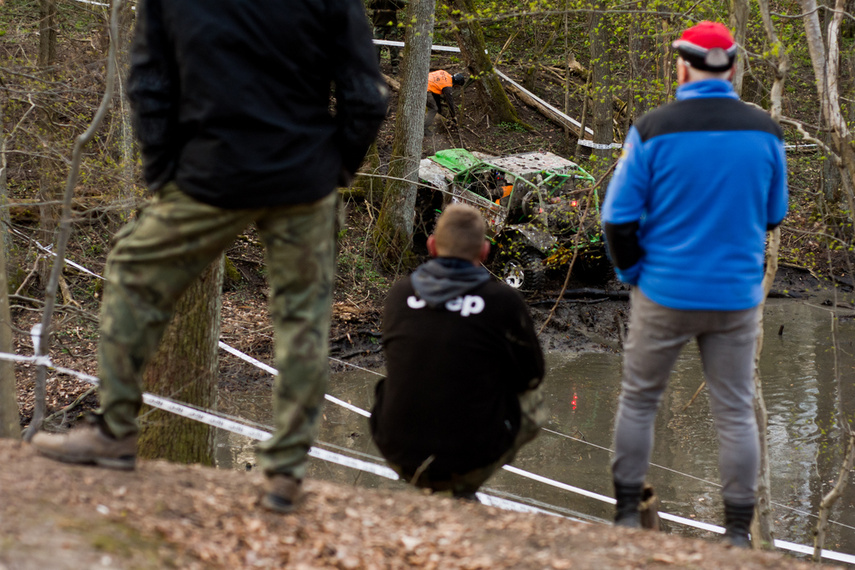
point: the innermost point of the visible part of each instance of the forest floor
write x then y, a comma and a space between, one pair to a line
179, 516
164, 515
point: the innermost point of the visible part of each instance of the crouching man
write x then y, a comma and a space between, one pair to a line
463, 363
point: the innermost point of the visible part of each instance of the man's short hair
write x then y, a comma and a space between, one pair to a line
460, 232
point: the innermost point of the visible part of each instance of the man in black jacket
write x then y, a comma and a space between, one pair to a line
384, 16
463, 366
231, 106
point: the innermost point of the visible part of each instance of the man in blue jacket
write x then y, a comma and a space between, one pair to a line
231, 104
699, 184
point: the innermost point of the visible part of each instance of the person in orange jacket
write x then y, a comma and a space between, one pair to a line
440, 88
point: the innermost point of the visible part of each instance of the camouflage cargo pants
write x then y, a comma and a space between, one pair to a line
156, 257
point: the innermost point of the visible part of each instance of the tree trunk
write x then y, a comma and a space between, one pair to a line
10, 421
567, 57
826, 73
739, 14
761, 525
50, 192
370, 187
394, 231
5, 211
534, 62
640, 59
473, 48
601, 109
47, 32
185, 368
762, 533
667, 76
122, 110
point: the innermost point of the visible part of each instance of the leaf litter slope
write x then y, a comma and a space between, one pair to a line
167, 515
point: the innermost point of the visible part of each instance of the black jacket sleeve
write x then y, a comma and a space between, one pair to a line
361, 93
525, 351
153, 92
448, 93
623, 246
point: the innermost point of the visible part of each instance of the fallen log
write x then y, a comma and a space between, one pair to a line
544, 110
393, 84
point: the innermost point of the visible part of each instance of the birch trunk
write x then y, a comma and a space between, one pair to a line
762, 533
394, 231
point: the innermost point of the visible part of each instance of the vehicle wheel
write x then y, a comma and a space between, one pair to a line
594, 267
523, 270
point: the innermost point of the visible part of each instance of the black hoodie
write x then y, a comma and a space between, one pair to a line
459, 347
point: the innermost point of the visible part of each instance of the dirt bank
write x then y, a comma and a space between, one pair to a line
173, 516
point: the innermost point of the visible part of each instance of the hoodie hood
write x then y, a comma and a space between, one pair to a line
445, 278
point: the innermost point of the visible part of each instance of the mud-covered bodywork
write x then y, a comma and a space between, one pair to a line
538, 206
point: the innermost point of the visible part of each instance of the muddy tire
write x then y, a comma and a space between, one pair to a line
523, 270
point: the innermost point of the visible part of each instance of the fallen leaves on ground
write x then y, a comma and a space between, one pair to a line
195, 517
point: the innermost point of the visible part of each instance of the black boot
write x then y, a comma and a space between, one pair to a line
626, 510
737, 522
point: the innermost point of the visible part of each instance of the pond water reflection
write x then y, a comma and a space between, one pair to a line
802, 397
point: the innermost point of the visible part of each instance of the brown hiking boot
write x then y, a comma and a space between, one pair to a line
90, 445
283, 494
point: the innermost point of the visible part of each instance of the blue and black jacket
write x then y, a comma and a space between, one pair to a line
699, 183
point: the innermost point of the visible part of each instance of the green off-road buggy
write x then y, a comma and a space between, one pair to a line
539, 209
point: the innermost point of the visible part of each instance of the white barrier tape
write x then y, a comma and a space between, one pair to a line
49, 251
40, 360
802, 549
271, 370
254, 433
382, 471
791, 546
567, 118
789, 146
599, 146
204, 417
36, 337
224, 346
80, 267
171, 406
386, 472
557, 484
247, 358
391, 43
506, 505
401, 44
358, 464
692, 523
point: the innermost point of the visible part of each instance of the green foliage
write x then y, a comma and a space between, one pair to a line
511, 127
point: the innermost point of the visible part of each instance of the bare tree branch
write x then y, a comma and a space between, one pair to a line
65, 225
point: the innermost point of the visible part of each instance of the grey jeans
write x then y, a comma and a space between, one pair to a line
727, 341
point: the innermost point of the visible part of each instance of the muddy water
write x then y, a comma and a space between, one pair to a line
798, 369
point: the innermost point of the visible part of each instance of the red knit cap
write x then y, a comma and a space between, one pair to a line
708, 46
